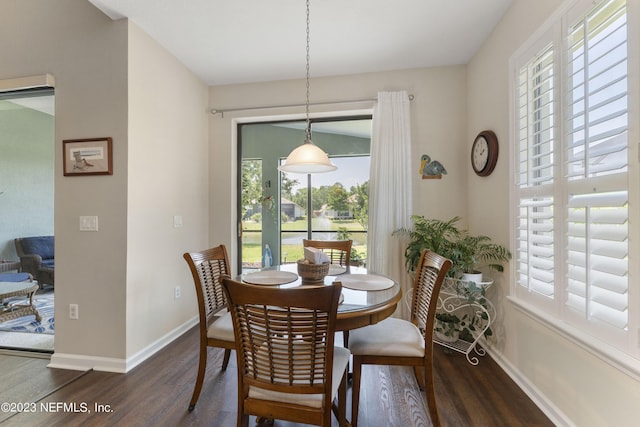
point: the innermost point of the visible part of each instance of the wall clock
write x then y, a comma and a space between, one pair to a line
484, 153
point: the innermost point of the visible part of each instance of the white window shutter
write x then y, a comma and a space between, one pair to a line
536, 110
597, 257
571, 174
597, 93
536, 246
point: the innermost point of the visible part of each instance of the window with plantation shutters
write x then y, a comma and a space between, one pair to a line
536, 101
597, 251
571, 183
535, 241
535, 266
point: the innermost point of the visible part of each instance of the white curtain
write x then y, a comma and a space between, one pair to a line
390, 200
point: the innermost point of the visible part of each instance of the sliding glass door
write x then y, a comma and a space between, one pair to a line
339, 208
27, 173
278, 210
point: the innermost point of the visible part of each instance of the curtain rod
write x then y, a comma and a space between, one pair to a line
221, 111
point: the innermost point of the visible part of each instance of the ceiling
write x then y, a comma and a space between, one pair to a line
242, 41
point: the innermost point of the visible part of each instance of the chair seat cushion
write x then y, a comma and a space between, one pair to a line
390, 337
15, 277
222, 328
340, 361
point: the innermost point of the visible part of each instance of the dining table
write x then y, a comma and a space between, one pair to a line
366, 298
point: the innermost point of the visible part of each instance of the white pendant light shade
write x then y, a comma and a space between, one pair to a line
307, 158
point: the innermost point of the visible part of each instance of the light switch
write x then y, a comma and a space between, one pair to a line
177, 221
88, 223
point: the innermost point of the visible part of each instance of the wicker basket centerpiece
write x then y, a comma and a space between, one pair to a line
312, 273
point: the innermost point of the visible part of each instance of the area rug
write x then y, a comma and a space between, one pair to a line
26, 341
44, 304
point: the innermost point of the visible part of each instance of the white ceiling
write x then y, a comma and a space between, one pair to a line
241, 41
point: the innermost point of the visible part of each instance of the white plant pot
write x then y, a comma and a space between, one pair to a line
472, 277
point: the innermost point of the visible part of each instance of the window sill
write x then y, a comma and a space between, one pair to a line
622, 361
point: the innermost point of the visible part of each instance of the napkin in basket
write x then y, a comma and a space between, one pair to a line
316, 256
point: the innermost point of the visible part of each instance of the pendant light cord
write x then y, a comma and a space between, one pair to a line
308, 130
307, 158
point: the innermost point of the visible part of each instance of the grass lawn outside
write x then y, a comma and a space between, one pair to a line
318, 224
292, 249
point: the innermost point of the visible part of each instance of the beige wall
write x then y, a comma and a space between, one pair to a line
86, 54
438, 117
122, 277
572, 383
168, 176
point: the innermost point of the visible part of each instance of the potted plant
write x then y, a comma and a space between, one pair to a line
447, 327
433, 234
467, 253
475, 320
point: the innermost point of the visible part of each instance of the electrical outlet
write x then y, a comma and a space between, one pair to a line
176, 292
73, 311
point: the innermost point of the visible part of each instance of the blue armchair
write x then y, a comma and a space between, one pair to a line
37, 257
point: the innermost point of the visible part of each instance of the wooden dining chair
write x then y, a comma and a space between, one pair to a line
288, 367
339, 251
216, 326
401, 342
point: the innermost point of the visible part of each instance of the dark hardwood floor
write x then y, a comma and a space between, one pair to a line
157, 393
27, 379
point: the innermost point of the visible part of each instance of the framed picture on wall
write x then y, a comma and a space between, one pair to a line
87, 157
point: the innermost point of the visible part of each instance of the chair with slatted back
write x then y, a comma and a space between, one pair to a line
339, 251
288, 367
216, 327
401, 342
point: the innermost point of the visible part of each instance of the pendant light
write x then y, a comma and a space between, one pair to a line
308, 157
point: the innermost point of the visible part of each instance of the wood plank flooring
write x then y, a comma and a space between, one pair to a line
27, 379
157, 393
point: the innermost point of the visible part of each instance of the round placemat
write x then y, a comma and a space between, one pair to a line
365, 282
270, 277
336, 269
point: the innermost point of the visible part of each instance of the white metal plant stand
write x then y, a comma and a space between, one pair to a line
467, 300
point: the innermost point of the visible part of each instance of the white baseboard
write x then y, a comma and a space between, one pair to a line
556, 416
159, 344
79, 362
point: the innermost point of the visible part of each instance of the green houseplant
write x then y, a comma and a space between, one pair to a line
467, 253
447, 327
432, 234
475, 320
